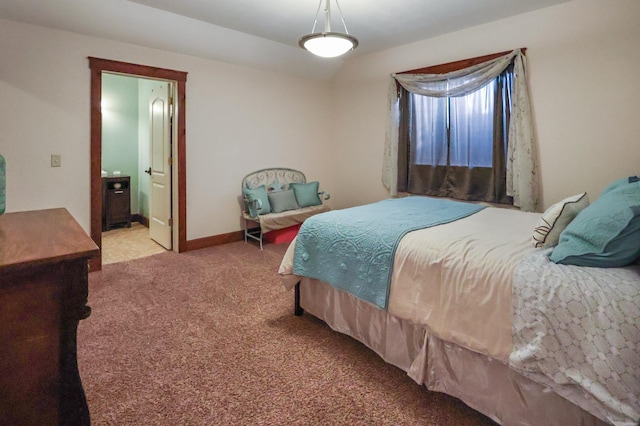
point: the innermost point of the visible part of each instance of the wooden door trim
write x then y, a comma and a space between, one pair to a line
97, 66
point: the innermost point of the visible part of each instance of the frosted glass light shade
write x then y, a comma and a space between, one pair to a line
328, 45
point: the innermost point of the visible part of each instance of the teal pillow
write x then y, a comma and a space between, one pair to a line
606, 234
307, 194
282, 201
620, 182
259, 193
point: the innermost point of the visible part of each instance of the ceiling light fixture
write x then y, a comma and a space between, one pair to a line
328, 44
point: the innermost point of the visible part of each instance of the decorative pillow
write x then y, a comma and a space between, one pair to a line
282, 201
620, 182
606, 234
259, 193
276, 186
307, 193
556, 218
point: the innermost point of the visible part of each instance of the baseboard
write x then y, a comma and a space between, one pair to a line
214, 240
140, 219
200, 243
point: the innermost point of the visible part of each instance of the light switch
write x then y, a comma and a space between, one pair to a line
56, 160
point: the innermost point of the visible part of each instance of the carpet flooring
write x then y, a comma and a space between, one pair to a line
209, 338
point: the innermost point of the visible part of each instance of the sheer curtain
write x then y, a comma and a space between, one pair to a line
429, 131
521, 180
472, 117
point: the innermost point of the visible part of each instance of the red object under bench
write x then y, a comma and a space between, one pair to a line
280, 236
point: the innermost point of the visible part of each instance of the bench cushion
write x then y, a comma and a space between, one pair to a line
273, 221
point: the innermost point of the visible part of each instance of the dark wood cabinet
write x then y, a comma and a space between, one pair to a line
43, 294
116, 201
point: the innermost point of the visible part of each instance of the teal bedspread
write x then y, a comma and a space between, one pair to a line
353, 249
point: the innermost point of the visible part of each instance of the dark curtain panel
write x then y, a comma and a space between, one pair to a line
501, 117
470, 182
403, 139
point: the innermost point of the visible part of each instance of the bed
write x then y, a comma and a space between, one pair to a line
476, 309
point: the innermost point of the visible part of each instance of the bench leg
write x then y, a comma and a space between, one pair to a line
253, 235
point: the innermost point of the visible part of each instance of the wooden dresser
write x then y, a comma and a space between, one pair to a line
43, 296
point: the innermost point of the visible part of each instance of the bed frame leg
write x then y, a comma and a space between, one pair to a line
297, 310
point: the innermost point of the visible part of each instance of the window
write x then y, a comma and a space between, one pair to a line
456, 131
455, 146
437, 146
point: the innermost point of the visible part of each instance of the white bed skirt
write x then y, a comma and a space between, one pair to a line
484, 384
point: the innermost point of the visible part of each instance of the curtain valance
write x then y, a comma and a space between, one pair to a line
455, 83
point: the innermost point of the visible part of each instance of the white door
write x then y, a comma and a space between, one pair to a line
160, 169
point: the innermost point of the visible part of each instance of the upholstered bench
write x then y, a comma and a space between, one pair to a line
277, 198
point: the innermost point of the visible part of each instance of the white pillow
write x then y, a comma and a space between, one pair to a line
556, 218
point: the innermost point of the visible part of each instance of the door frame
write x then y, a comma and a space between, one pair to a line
97, 66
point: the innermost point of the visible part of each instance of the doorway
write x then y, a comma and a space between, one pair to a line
136, 159
178, 174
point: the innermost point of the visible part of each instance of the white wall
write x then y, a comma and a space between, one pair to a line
238, 120
584, 62
583, 59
